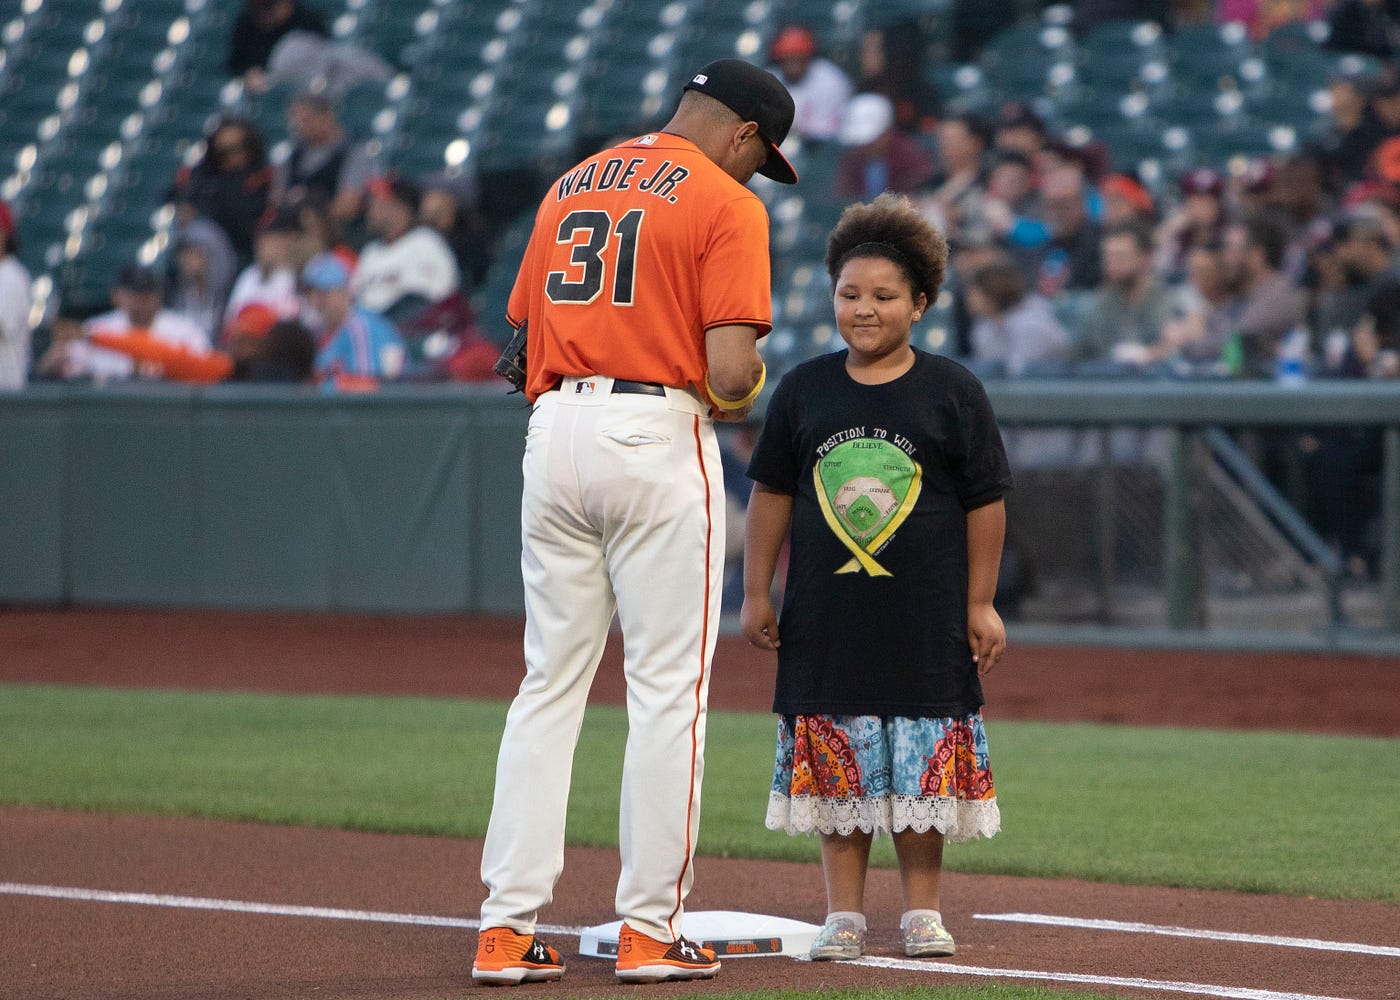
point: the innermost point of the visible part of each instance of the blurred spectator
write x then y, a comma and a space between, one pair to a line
320, 233
136, 295
1365, 259
1201, 317
819, 88
1355, 130
202, 275
1018, 129
449, 206
1263, 16
260, 26
271, 280
1187, 13
1199, 218
1012, 330
308, 61
963, 262
892, 62
408, 265
244, 333
954, 201
1011, 198
877, 156
359, 347
1266, 307
229, 185
1375, 346
15, 303
1365, 26
1252, 189
1070, 261
1301, 198
325, 164
1131, 306
1126, 200
284, 351
1385, 101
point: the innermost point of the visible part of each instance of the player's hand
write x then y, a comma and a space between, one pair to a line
731, 416
759, 623
986, 635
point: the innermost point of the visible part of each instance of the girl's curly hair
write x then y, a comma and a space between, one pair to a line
892, 228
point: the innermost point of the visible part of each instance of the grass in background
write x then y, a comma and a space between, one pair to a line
1263, 812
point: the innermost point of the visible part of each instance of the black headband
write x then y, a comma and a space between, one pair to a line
889, 251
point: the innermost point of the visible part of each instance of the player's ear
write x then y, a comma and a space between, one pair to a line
745, 131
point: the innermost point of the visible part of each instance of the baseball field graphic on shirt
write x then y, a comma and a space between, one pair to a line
866, 488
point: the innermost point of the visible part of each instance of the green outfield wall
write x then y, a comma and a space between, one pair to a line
407, 500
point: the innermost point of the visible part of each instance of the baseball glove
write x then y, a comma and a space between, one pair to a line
511, 364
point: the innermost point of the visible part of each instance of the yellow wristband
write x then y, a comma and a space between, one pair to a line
737, 404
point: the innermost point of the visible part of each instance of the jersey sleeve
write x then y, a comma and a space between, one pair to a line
977, 456
775, 461
735, 286
518, 305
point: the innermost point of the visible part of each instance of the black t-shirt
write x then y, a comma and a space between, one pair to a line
874, 618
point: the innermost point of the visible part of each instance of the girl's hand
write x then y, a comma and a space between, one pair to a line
759, 622
986, 635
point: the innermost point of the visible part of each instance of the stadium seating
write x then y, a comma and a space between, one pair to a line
101, 100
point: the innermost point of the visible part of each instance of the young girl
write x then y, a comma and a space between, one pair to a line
886, 464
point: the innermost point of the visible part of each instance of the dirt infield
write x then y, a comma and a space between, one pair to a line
70, 945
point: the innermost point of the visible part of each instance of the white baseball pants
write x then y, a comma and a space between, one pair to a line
623, 510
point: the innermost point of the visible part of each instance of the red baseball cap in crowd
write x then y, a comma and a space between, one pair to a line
7, 221
1385, 161
755, 95
254, 320
1129, 190
794, 40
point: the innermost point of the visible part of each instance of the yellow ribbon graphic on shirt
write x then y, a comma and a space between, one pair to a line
866, 488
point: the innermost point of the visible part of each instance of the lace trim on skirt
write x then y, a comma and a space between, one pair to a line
959, 820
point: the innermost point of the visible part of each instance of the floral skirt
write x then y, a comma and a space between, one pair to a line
882, 774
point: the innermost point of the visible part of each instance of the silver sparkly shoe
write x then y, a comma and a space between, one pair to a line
926, 937
838, 938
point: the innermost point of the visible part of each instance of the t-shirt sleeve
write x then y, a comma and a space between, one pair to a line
977, 457
734, 279
775, 460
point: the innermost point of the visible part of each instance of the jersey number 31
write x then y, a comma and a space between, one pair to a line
597, 226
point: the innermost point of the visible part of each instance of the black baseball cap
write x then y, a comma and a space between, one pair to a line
757, 96
137, 278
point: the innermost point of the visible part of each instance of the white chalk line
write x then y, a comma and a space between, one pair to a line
1168, 930
376, 916
1161, 985
244, 906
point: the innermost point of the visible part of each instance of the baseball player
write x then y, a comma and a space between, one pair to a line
645, 286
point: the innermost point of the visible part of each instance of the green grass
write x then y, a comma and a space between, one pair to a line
1262, 812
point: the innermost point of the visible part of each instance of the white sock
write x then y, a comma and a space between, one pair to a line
856, 918
911, 914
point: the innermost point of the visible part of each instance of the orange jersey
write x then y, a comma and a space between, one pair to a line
636, 252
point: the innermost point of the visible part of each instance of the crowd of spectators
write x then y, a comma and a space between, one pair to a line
1062, 266
1058, 265
318, 265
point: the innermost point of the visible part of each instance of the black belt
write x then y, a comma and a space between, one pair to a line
640, 388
